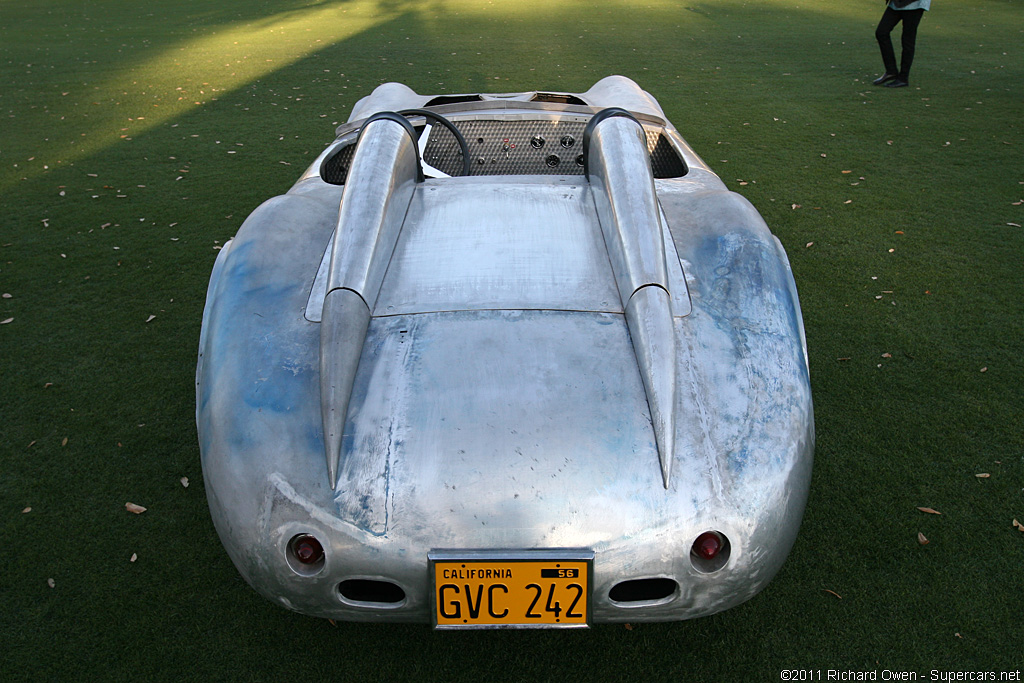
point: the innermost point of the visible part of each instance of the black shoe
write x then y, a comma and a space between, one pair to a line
884, 78
897, 84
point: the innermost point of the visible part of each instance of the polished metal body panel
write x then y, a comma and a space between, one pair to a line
510, 364
525, 243
619, 172
373, 207
380, 184
627, 206
539, 251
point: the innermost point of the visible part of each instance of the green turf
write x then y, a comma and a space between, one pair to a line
136, 137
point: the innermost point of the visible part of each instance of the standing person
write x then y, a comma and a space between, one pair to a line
910, 14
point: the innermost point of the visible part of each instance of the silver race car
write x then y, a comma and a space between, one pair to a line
505, 360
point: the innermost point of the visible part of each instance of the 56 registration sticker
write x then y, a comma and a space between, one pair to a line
541, 589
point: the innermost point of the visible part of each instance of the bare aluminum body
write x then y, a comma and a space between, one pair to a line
516, 381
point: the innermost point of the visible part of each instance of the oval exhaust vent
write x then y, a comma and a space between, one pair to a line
370, 591
643, 590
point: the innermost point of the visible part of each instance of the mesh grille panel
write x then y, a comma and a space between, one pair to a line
335, 168
488, 139
540, 147
664, 160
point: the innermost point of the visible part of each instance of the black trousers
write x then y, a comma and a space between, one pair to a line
910, 18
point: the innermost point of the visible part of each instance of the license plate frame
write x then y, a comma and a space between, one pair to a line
510, 572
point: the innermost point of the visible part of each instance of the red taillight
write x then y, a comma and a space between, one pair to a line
708, 545
307, 549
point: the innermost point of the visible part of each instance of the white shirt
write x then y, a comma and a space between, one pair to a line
917, 4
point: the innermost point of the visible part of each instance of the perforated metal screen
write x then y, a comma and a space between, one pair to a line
520, 147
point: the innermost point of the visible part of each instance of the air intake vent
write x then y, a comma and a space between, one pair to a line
643, 590
557, 98
664, 161
334, 169
369, 591
452, 99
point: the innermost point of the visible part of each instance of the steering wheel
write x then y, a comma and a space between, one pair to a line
433, 116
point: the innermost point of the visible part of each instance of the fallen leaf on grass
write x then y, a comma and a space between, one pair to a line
833, 593
886, 355
929, 511
629, 627
64, 442
28, 510
150, 318
133, 557
51, 583
184, 482
796, 206
983, 475
1017, 525
984, 369
133, 508
921, 539
4, 322
809, 245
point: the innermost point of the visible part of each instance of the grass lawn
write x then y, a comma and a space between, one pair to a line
136, 137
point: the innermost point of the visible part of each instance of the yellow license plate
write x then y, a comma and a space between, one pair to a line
543, 589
